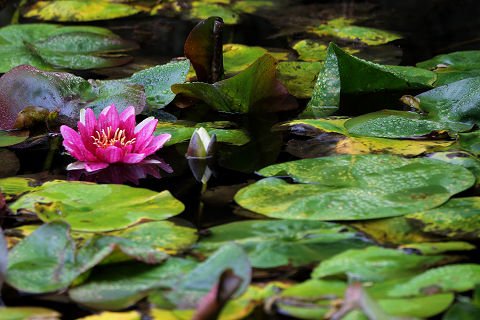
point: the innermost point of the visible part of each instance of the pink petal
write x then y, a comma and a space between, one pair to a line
74, 145
143, 131
94, 166
108, 118
110, 154
156, 143
133, 157
88, 120
127, 121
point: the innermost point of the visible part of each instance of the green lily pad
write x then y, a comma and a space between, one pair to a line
457, 103
79, 10
118, 287
374, 264
239, 93
344, 29
205, 9
157, 81
353, 187
10, 138
459, 218
197, 283
327, 140
93, 208
162, 235
462, 310
470, 142
462, 159
345, 73
299, 77
422, 307
238, 57
310, 50
15, 186
28, 313
274, 243
453, 66
49, 46
457, 278
429, 248
182, 131
392, 124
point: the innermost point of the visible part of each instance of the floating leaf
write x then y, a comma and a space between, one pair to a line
331, 137
345, 73
353, 187
162, 235
79, 10
429, 248
48, 46
392, 124
344, 29
127, 315
456, 104
299, 77
274, 243
453, 66
462, 310
242, 92
182, 131
462, 159
374, 264
456, 277
238, 57
28, 313
10, 138
204, 10
157, 81
15, 186
92, 207
119, 287
470, 142
459, 218
60, 92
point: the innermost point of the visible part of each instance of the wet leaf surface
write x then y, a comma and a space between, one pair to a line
77, 202
353, 187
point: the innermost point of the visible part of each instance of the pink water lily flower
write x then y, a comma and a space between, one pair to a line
113, 138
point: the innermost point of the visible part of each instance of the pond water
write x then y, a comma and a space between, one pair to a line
428, 28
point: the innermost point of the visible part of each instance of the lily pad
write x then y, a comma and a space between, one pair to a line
10, 138
91, 207
162, 235
182, 131
238, 57
429, 248
392, 124
344, 29
453, 66
456, 104
48, 46
240, 93
353, 187
470, 142
459, 218
299, 77
344, 73
15, 186
451, 278
80, 10
28, 313
116, 288
374, 264
463, 310
274, 243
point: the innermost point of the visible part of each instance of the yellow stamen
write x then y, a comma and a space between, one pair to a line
106, 139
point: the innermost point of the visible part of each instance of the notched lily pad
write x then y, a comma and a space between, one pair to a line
353, 187
91, 207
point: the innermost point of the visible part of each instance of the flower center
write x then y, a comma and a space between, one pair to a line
109, 138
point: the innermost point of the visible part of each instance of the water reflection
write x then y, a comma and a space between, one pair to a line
119, 173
